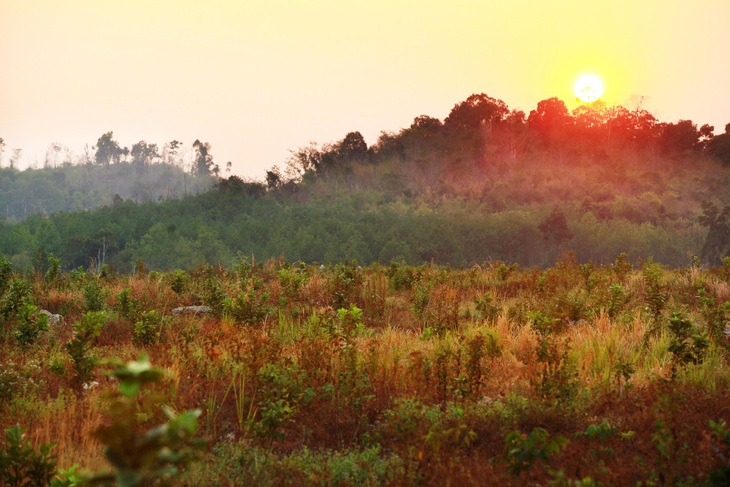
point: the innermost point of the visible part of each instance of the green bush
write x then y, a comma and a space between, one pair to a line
21, 464
147, 330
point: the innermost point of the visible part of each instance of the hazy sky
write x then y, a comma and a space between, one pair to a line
258, 78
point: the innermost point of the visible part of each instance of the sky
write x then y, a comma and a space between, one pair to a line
257, 79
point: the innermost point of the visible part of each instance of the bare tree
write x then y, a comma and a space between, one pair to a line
15, 158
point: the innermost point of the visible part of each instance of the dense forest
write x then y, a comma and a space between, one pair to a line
487, 183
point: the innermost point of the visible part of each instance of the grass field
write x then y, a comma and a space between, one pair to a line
385, 375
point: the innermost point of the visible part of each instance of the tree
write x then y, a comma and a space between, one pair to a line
273, 178
108, 150
555, 227
55, 147
204, 164
475, 111
719, 146
352, 148
172, 148
717, 242
2, 149
302, 161
15, 158
143, 153
679, 138
550, 120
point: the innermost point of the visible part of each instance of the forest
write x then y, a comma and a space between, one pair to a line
496, 298
486, 183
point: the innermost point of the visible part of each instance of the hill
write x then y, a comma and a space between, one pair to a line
487, 183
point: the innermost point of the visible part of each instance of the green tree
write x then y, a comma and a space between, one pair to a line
717, 242
108, 150
204, 164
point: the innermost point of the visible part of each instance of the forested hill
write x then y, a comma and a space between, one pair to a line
486, 183
86, 187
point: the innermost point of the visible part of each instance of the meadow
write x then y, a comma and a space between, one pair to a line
295, 374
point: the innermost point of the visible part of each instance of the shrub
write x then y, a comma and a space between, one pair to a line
142, 456
21, 464
79, 347
31, 324
521, 451
147, 329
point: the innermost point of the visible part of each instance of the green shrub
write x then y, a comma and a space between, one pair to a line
141, 456
79, 347
17, 294
521, 451
31, 324
147, 330
21, 464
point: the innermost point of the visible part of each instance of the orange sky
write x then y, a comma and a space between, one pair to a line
256, 79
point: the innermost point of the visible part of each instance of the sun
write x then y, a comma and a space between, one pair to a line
588, 88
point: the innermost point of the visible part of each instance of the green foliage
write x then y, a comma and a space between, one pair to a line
127, 306
70, 477
622, 267
31, 324
94, 295
142, 456
721, 447
15, 297
282, 390
147, 330
557, 378
656, 297
240, 464
213, 294
54, 268
344, 284
21, 464
687, 344
716, 316
617, 300
402, 276
486, 307
601, 431
80, 345
179, 281
6, 271
249, 307
522, 451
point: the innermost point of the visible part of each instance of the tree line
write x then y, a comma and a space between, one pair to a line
485, 183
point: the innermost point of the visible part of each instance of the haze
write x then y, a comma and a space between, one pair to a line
257, 79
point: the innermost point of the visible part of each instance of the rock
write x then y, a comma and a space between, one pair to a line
53, 319
193, 310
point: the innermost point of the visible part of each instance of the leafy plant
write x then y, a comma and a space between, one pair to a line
522, 451
142, 456
12, 301
147, 329
21, 464
687, 344
248, 307
94, 296
31, 324
79, 347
